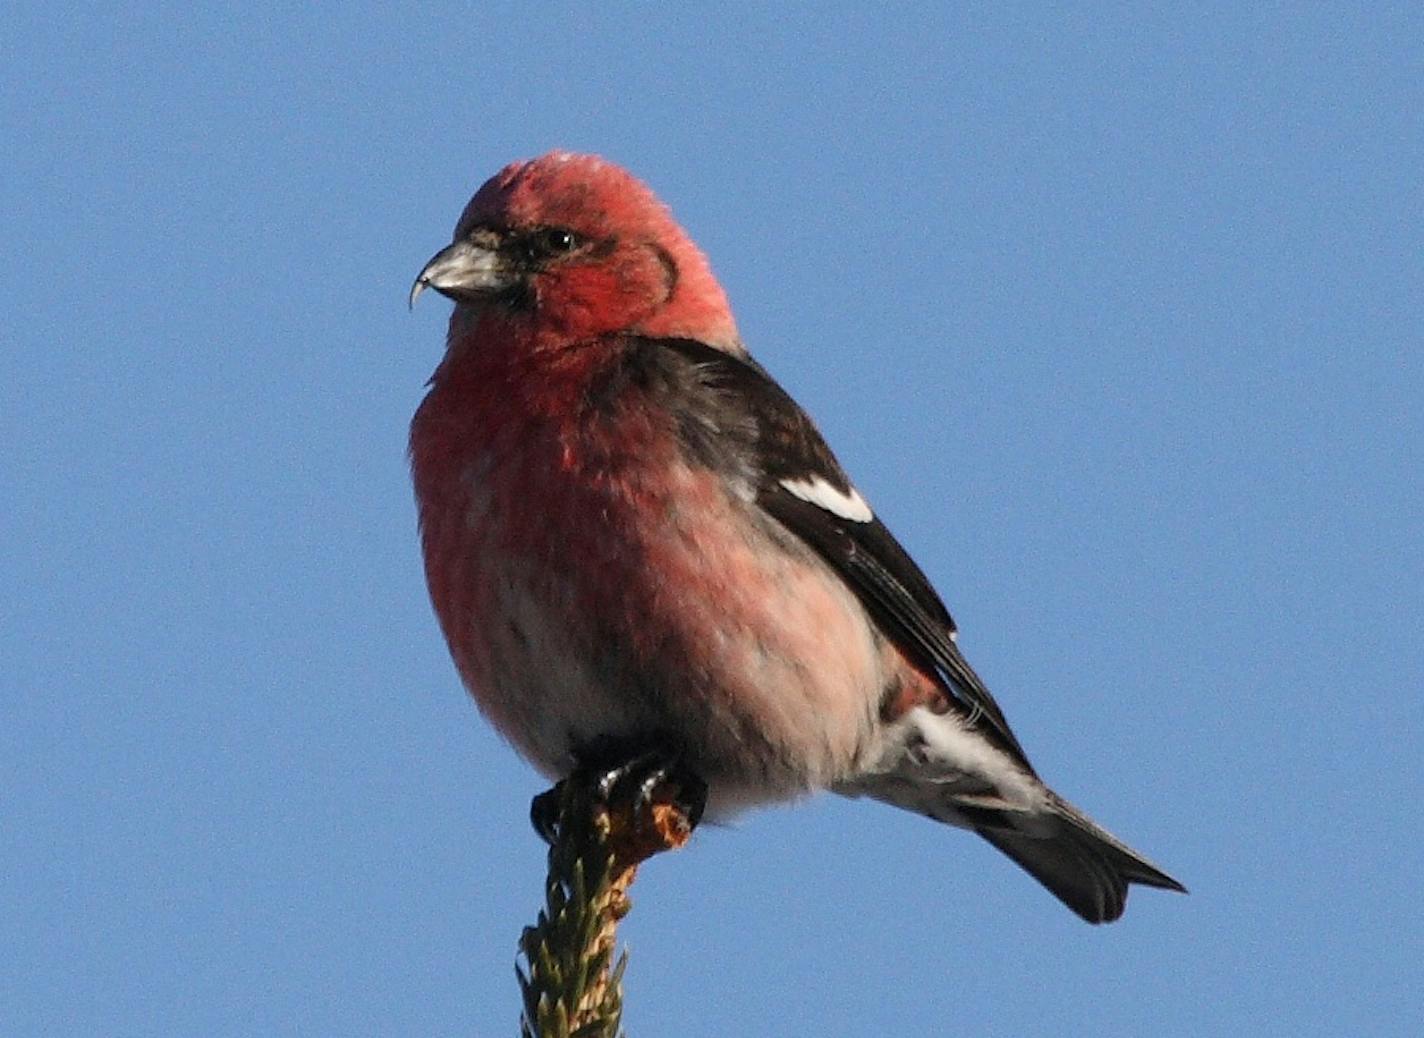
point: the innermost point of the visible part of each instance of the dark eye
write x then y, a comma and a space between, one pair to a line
553, 240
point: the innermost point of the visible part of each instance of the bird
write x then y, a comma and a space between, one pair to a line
645, 559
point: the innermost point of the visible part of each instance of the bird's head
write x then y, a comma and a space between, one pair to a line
565, 248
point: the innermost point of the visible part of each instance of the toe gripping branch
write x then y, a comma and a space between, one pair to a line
643, 806
600, 824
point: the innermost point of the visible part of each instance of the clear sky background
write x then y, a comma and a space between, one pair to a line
1115, 315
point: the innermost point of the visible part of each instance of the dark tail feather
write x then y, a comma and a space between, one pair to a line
1083, 865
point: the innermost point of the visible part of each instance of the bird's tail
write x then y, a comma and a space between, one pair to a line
1079, 862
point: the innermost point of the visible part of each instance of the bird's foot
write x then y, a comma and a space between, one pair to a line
652, 803
654, 778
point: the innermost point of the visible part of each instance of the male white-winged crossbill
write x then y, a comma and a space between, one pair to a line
637, 542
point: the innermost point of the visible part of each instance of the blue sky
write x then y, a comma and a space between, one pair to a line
1114, 314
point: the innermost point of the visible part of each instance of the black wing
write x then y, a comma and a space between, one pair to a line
801, 484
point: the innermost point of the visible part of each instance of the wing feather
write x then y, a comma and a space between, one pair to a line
787, 448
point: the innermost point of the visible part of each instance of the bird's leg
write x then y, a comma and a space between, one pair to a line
653, 800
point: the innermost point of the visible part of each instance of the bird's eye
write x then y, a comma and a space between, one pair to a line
554, 240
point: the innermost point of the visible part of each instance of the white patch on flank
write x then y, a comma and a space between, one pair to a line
818, 492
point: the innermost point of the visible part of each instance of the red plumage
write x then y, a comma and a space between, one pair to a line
633, 535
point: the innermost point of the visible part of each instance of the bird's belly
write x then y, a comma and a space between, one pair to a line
662, 608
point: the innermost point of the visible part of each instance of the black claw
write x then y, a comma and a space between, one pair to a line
612, 778
544, 813
691, 795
